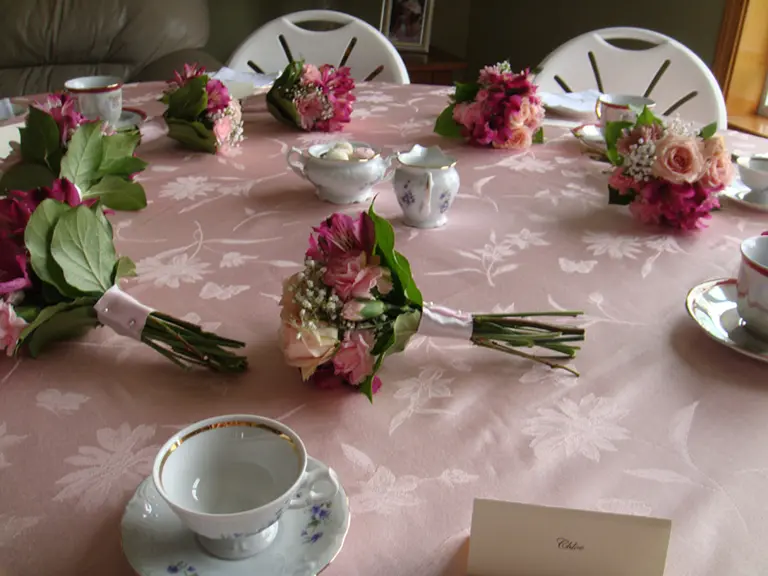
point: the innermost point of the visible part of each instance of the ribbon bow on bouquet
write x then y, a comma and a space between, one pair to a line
58, 142
355, 303
201, 114
60, 274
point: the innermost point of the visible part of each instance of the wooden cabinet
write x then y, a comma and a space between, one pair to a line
436, 67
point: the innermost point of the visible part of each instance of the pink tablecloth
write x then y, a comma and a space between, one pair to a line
662, 422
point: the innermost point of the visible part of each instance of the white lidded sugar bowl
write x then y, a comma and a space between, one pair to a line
341, 178
426, 184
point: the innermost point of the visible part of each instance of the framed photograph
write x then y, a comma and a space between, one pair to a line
408, 23
762, 108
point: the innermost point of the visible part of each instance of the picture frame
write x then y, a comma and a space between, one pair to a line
762, 108
408, 23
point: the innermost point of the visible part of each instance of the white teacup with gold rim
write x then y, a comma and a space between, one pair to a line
98, 97
620, 108
230, 478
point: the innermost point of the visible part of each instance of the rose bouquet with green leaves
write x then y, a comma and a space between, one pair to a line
356, 303
60, 276
57, 142
201, 114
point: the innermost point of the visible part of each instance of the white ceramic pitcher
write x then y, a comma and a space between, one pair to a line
426, 183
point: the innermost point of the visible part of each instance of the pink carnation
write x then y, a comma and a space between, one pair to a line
327, 105
10, 327
356, 275
311, 107
683, 206
353, 359
310, 74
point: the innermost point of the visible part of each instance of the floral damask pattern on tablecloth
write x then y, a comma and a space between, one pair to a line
661, 422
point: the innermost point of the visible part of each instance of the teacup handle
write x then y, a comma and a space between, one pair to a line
390, 171
313, 497
426, 206
598, 111
297, 166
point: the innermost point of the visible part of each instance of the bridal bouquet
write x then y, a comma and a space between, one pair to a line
355, 303
667, 173
57, 142
60, 275
312, 98
501, 110
201, 114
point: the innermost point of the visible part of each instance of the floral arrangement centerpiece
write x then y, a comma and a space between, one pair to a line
501, 110
312, 98
355, 302
60, 276
58, 142
667, 172
201, 114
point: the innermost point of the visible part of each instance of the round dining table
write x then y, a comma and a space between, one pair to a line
662, 421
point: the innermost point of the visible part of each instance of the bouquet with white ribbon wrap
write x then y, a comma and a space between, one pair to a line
356, 302
60, 275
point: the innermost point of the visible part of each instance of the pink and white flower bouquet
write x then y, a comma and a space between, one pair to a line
201, 114
355, 303
58, 142
60, 276
668, 173
312, 98
501, 110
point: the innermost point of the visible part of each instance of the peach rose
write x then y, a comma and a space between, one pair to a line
718, 172
678, 159
520, 138
529, 114
307, 347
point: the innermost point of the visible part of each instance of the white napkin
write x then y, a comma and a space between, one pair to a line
576, 102
8, 109
8, 134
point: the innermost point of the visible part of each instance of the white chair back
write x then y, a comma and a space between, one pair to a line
668, 72
356, 43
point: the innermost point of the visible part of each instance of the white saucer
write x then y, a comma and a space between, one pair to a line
591, 136
712, 305
156, 542
130, 118
741, 194
572, 104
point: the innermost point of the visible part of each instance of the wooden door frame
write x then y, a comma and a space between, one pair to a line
728, 41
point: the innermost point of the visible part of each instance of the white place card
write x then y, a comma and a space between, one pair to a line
511, 539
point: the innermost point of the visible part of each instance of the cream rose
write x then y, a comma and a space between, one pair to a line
678, 159
718, 172
520, 138
715, 146
307, 347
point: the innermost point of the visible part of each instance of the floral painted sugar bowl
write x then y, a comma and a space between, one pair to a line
426, 183
342, 172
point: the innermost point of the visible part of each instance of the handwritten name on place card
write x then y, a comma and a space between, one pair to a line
512, 539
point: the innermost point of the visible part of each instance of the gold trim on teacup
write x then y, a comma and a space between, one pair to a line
228, 424
425, 167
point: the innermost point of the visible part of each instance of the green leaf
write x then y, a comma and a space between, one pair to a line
646, 118
446, 126
614, 197
37, 238
49, 312
283, 110
384, 247
613, 131
466, 92
80, 164
62, 326
614, 157
406, 325
708, 131
125, 268
366, 387
26, 176
27, 313
118, 194
41, 140
538, 136
118, 156
385, 341
189, 101
192, 134
82, 246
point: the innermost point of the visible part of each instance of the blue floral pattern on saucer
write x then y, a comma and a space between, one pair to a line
319, 516
183, 569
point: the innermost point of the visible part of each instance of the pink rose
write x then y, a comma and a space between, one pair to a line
354, 359
307, 347
520, 138
222, 128
10, 327
718, 171
529, 114
311, 74
355, 275
714, 147
678, 159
